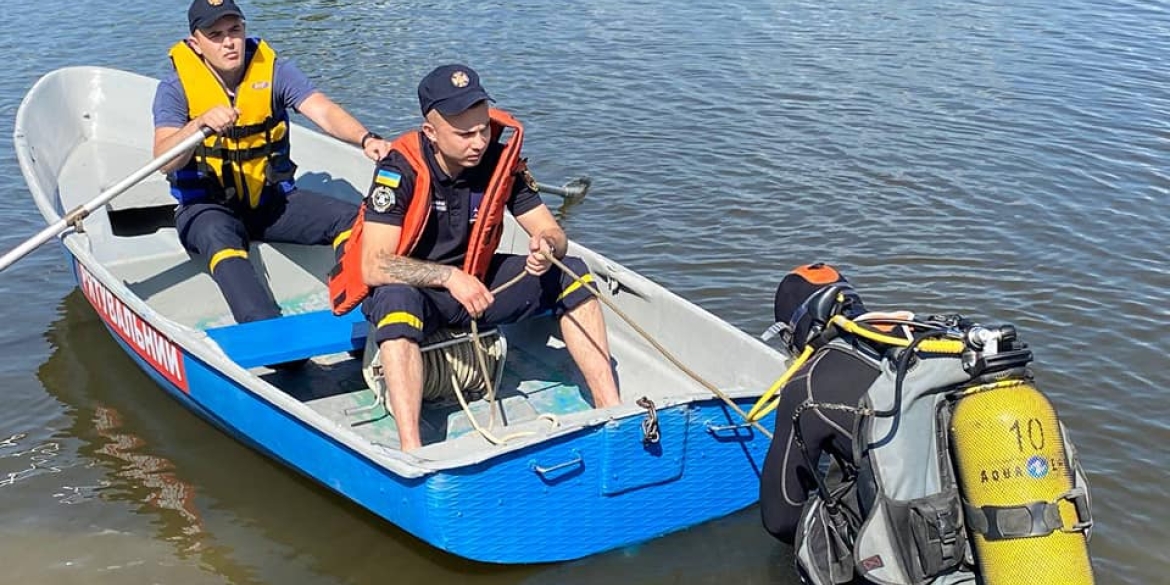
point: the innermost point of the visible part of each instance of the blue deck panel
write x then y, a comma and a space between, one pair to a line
291, 337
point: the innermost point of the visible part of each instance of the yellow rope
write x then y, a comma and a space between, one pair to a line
763, 406
950, 346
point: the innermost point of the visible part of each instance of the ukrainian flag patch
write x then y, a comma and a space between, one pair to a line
387, 178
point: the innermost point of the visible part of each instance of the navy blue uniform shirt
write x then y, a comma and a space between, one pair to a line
454, 202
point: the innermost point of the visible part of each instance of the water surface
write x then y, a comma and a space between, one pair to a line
1004, 161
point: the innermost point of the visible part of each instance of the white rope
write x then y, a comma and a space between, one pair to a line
458, 363
482, 355
467, 364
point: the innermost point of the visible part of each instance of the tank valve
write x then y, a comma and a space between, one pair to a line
984, 339
993, 348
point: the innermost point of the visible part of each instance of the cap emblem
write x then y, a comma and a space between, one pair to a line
458, 79
215, 2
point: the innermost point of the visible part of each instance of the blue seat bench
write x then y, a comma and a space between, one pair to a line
291, 337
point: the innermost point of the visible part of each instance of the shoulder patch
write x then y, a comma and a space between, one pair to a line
387, 178
382, 199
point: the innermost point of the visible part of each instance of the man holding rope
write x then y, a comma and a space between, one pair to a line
238, 185
424, 246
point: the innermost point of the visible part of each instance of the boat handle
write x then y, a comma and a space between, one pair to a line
619, 279
720, 429
545, 471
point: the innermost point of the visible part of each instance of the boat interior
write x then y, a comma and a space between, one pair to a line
537, 386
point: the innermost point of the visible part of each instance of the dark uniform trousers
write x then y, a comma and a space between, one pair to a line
219, 234
403, 311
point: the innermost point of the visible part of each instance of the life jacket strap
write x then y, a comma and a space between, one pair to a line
225, 153
241, 132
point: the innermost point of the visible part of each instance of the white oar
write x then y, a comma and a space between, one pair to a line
81, 212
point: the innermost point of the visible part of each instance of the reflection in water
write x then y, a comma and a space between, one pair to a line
89, 373
214, 500
729, 550
164, 491
39, 459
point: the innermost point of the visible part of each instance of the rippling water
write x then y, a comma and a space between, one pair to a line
1008, 162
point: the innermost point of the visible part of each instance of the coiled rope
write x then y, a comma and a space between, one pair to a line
457, 371
467, 366
447, 356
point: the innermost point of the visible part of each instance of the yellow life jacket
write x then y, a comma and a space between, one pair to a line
251, 155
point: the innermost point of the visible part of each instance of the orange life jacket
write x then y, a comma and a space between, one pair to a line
347, 288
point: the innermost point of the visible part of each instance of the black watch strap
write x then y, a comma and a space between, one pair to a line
369, 135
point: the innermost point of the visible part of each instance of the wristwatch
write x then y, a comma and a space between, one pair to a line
369, 135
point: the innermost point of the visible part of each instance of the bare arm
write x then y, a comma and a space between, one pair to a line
546, 235
380, 265
338, 123
217, 118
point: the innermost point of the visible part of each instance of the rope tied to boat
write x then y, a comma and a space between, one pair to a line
658, 346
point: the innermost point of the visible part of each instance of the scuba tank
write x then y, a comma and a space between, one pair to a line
962, 466
1026, 506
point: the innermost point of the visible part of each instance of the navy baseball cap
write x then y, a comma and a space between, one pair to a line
204, 13
451, 89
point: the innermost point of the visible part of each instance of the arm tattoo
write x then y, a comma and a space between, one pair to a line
411, 271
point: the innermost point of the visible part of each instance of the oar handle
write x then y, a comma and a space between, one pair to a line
572, 192
82, 211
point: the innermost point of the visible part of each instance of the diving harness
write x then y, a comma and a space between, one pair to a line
959, 463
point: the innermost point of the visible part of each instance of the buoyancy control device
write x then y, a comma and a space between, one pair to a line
960, 465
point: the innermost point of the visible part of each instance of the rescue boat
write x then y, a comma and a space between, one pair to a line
570, 481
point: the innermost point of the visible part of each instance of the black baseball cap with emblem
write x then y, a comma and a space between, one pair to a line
450, 89
204, 13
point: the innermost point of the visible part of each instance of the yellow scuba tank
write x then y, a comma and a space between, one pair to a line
1026, 516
